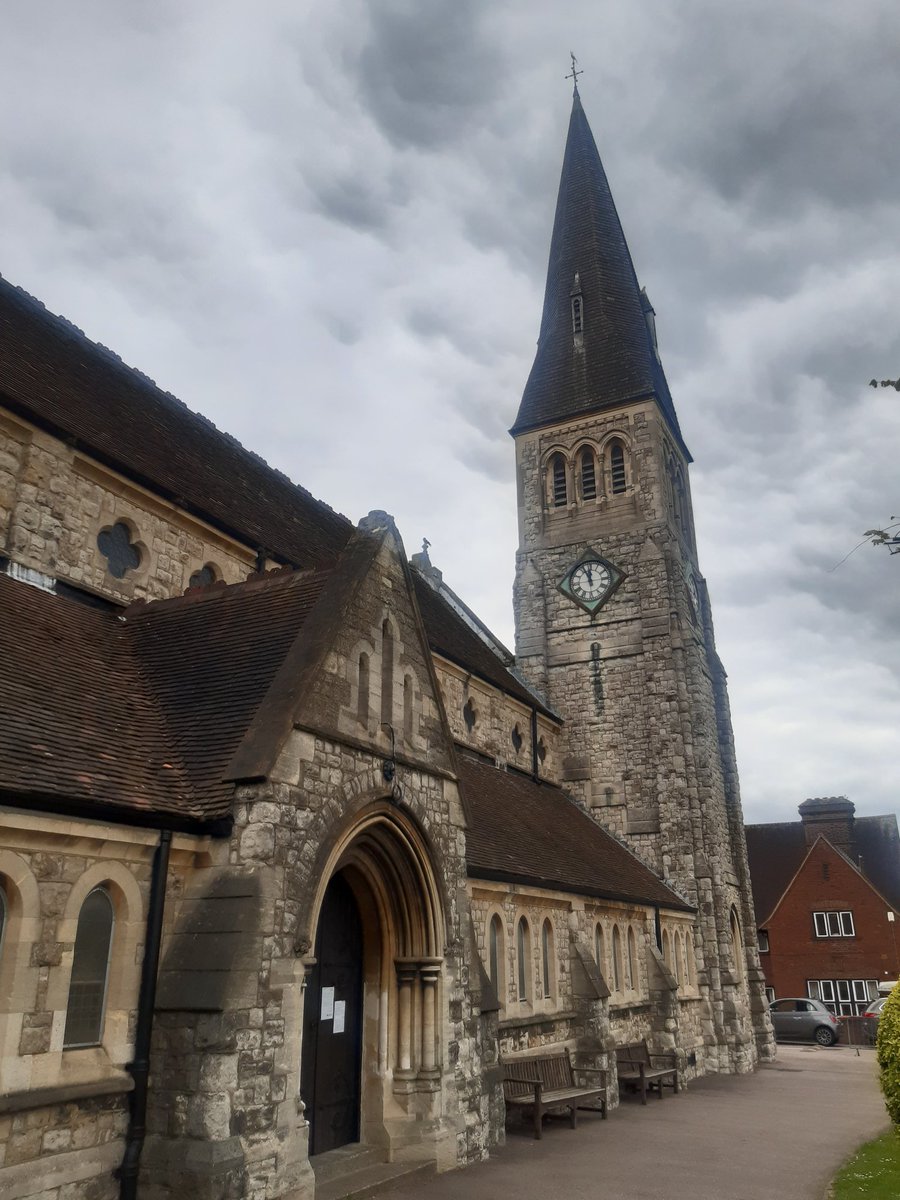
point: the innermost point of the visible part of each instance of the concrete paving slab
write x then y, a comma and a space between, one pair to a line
779, 1133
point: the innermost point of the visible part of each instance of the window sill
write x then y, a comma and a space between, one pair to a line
538, 1018
117, 1084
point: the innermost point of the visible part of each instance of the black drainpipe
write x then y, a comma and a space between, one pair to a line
534, 749
140, 1068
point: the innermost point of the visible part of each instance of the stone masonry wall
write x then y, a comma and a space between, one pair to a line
55, 501
635, 685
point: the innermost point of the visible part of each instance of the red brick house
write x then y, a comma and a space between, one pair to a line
827, 894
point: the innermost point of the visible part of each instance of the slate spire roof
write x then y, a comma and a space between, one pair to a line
613, 359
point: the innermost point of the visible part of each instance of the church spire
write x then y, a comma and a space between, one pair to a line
596, 349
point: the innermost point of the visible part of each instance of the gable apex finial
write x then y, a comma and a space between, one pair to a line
574, 73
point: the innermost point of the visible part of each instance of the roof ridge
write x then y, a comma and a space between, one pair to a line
70, 329
257, 581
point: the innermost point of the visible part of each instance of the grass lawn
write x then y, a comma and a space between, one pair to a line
873, 1173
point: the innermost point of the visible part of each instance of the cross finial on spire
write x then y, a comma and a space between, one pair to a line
573, 75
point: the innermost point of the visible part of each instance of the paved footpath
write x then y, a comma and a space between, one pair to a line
779, 1134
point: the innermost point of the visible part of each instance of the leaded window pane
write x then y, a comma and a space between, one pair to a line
90, 965
521, 948
494, 953
545, 954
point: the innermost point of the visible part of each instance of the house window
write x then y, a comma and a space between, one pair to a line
588, 474
833, 924
495, 953
559, 494
617, 477
547, 958
770, 994
523, 958
90, 968
114, 543
844, 997
763, 941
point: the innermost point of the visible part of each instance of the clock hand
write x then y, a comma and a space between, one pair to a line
590, 576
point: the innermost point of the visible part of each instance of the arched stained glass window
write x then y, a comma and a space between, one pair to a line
599, 947
617, 959
523, 958
495, 952
633, 978
547, 958
362, 697
90, 968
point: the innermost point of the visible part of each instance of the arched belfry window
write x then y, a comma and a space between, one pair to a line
588, 472
618, 477
90, 969
559, 492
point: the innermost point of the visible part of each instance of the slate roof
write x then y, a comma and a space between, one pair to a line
777, 850
617, 362
51, 374
528, 832
454, 639
139, 713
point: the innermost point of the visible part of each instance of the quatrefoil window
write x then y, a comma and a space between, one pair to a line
469, 715
517, 739
204, 577
121, 554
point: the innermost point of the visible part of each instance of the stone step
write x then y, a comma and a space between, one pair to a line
352, 1157
371, 1180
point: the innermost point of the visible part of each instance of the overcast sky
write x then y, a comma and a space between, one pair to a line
326, 227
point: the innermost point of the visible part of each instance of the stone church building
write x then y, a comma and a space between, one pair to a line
293, 852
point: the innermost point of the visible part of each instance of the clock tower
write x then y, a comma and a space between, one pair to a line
613, 619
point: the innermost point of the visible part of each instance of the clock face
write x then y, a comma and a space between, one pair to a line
591, 581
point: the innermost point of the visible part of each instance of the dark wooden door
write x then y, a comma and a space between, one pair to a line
332, 1024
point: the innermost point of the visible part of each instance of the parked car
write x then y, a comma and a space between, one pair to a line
797, 1018
871, 1017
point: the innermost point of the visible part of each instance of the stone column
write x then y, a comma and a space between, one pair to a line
407, 974
430, 973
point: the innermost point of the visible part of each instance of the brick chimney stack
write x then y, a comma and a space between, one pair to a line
830, 817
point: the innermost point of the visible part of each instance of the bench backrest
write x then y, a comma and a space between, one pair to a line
636, 1052
553, 1070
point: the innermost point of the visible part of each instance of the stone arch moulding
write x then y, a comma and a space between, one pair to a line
18, 979
406, 854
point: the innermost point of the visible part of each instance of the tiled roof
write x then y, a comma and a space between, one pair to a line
533, 833
140, 712
776, 851
453, 638
76, 721
616, 362
53, 375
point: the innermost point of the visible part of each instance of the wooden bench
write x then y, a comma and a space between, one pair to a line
551, 1082
639, 1069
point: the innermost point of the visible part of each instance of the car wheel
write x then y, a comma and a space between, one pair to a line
825, 1036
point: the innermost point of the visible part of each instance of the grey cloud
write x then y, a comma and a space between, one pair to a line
426, 68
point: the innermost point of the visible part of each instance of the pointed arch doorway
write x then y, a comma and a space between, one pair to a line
332, 1035
372, 1034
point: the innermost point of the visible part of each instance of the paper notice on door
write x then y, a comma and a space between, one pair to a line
327, 1004
339, 1006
